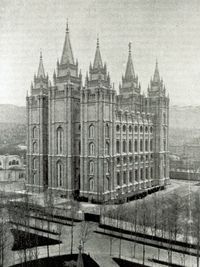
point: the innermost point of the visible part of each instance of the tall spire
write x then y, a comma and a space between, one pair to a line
41, 68
97, 60
156, 77
67, 54
130, 74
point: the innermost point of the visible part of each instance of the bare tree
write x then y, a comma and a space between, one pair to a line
48, 211
196, 222
85, 232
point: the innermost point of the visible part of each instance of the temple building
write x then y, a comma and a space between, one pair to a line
87, 141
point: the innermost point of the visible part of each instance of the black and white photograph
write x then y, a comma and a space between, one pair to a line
99, 133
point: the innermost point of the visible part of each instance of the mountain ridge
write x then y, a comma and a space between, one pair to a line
181, 117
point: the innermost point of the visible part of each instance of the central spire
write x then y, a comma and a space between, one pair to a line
156, 77
97, 60
67, 54
41, 68
130, 74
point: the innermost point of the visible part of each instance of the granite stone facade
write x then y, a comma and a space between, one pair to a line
87, 140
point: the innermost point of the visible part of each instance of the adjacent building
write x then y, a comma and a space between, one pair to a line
12, 168
87, 140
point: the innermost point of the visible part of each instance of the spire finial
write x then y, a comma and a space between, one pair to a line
97, 40
156, 62
67, 27
129, 48
40, 53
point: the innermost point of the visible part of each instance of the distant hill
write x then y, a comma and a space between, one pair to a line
184, 117
12, 114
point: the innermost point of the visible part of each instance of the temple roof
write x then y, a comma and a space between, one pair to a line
129, 74
67, 54
41, 72
156, 76
97, 60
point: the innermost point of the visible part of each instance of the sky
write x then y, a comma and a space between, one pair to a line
168, 31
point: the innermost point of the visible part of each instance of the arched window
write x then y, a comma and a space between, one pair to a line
130, 177
91, 131
34, 178
164, 132
141, 174
106, 167
141, 129
124, 146
59, 173
117, 128
118, 178
151, 173
131, 159
91, 167
136, 175
124, 160
136, 128
0, 163
107, 150
35, 132
91, 185
146, 129
164, 145
146, 145
13, 162
118, 146
151, 145
130, 129
164, 118
136, 145
130, 146
79, 147
147, 173
124, 177
91, 148
118, 161
151, 129
10, 163
107, 183
35, 147
35, 164
59, 140
141, 145
107, 131
124, 128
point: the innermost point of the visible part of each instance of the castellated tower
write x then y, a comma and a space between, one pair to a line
64, 125
158, 104
37, 131
97, 133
